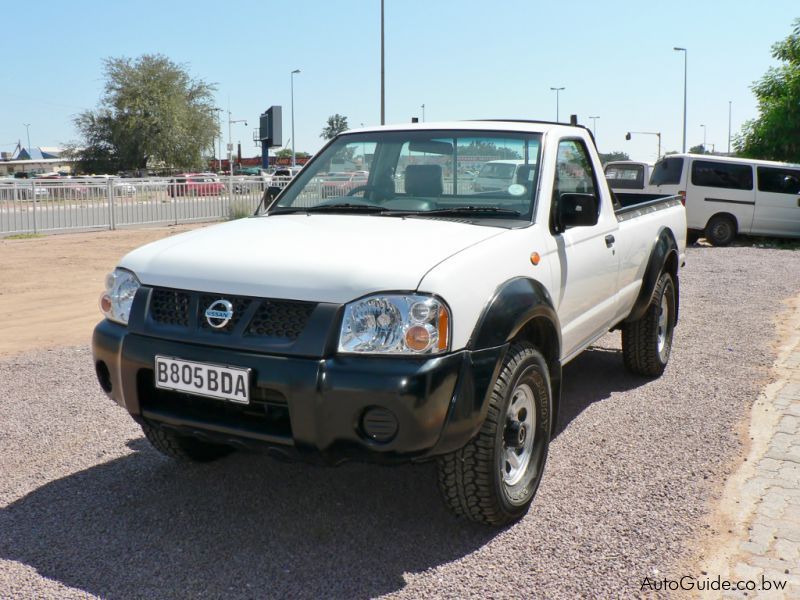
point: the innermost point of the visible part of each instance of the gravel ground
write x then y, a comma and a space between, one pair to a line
88, 508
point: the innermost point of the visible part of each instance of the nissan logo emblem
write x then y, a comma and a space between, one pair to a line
219, 314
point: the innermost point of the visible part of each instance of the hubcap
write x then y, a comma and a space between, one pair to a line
663, 323
518, 434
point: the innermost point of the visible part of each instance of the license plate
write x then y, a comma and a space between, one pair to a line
203, 379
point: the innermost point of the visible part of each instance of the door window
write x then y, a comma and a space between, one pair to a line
707, 173
779, 181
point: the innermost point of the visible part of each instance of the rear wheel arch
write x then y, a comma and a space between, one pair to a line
664, 255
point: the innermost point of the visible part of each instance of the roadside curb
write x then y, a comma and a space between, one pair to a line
760, 504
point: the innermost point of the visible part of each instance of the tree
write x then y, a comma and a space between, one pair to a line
699, 149
774, 134
287, 153
151, 111
613, 156
336, 124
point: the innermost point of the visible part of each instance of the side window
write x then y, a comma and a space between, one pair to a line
574, 172
722, 175
667, 171
779, 181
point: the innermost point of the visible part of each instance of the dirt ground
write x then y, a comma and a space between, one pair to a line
50, 286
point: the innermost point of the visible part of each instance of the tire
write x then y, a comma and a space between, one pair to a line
647, 343
721, 230
477, 481
183, 448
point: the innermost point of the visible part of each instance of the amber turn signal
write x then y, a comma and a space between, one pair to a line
535, 258
443, 329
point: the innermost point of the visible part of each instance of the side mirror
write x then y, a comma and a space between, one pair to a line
577, 210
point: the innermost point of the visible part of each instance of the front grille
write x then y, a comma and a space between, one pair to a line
170, 307
282, 320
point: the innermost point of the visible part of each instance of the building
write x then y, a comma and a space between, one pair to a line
35, 161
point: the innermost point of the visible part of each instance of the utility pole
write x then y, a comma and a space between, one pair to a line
594, 127
383, 88
685, 71
292, 77
730, 102
423, 113
557, 90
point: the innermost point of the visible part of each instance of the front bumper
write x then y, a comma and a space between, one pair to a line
310, 406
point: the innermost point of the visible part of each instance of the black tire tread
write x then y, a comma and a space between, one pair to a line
466, 476
639, 351
182, 448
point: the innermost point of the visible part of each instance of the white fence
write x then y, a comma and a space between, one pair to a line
33, 206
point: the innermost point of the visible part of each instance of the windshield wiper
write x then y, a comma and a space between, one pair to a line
339, 207
471, 210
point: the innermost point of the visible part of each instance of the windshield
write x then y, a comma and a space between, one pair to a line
418, 172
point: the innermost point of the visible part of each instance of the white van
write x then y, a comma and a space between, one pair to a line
728, 196
630, 181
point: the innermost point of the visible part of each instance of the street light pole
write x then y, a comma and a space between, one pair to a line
655, 133
557, 90
383, 88
685, 71
594, 127
219, 141
423, 113
704, 137
292, 77
729, 125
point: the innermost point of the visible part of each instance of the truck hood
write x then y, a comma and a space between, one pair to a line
318, 257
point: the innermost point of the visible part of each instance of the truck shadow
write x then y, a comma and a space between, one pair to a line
246, 526
249, 526
593, 376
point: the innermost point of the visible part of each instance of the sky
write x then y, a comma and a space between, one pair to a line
462, 59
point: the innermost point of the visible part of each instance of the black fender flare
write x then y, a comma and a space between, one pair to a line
664, 255
519, 308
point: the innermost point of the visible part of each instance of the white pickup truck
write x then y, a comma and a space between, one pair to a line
410, 318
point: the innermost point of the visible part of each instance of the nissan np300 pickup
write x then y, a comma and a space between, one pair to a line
414, 317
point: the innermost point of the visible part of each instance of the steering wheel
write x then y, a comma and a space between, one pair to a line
360, 188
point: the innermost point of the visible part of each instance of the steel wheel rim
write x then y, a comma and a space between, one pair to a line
663, 324
520, 413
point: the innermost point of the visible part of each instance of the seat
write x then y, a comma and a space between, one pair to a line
525, 174
424, 181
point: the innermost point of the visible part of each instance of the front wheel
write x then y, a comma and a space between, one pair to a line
647, 342
494, 478
181, 447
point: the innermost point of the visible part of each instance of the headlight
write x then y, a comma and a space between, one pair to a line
116, 301
395, 324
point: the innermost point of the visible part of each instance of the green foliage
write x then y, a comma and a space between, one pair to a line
151, 113
287, 153
699, 149
774, 134
607, 157
488, 149
336, 124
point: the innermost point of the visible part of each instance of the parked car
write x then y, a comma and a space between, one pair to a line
341, 184
430, 323
727, 196
496, 175
195, 184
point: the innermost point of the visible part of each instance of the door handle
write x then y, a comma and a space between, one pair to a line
609, 241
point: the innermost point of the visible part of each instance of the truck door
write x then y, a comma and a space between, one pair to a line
587, 256
778, 202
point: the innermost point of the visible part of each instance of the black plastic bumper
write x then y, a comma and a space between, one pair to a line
314, 406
